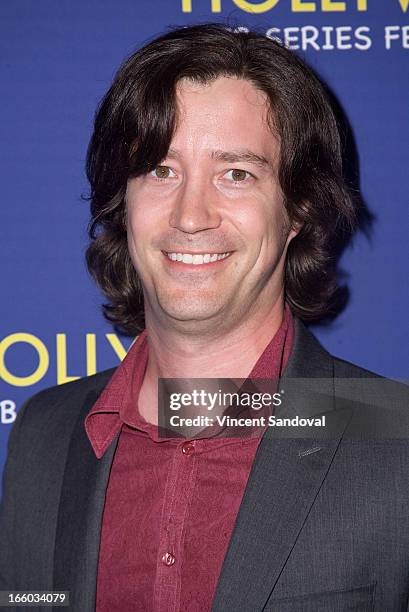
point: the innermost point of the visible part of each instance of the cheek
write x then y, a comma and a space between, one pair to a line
141, 223
258, 224
136, 207
131, 228
248, 215
267, 236
135, 233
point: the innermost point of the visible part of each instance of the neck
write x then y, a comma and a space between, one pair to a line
229, 354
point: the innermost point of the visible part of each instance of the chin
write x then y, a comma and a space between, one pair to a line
191, 314
191, 310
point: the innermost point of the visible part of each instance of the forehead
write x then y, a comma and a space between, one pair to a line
225, 114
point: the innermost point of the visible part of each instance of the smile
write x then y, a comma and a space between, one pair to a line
197, 259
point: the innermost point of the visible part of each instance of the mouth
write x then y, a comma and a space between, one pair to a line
196, 259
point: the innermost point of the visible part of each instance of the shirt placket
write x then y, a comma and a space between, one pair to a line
178, 494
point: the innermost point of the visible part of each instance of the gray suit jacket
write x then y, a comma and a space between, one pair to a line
323, 524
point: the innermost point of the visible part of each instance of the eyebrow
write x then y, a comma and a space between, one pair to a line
231, 157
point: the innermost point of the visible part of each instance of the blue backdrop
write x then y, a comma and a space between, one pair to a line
58, 59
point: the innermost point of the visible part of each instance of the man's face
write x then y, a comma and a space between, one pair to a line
215, 193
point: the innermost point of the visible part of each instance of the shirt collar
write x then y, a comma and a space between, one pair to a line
117, 405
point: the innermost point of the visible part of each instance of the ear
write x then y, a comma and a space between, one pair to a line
294, 230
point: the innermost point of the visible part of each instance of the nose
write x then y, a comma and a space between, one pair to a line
195, 207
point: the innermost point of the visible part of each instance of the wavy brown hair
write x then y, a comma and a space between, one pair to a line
133, 130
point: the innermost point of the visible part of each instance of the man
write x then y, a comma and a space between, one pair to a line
216, 199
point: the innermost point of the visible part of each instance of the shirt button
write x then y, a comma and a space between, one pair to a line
168, 559
188, 448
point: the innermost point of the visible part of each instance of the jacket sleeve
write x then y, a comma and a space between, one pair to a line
8, 505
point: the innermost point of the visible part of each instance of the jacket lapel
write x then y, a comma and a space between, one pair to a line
80, 516
287, 473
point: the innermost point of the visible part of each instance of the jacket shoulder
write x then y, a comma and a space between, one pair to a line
344, 368
381, 405
367, 391
73, 390
61, 404
364, 378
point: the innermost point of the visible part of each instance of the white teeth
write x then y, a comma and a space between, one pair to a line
197, 260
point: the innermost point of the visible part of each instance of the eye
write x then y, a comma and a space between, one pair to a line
162, 172
237, 175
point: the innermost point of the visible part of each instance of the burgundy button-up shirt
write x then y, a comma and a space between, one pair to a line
171, 504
